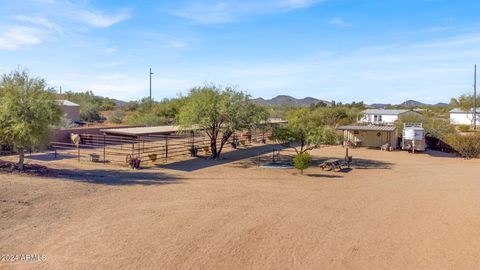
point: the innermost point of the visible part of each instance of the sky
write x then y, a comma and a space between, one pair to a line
343, 50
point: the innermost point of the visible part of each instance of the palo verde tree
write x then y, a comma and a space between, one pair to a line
219, 113
303, 132
27, 111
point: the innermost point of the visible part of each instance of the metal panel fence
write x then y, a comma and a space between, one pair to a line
152, 149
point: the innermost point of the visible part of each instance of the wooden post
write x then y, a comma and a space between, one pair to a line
133, 148
104, 152
78, 152
193, 139
166, 148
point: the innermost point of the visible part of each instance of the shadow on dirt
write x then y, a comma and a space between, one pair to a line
232, 156
321, 175
358, 163
117, 178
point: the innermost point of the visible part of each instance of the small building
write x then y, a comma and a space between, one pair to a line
370, 136
461, 117
384, 117
70, 110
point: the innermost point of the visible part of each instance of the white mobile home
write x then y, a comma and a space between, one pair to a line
461, 117
383, 117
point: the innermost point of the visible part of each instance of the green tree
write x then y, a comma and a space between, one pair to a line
27, 111
219, 113
303, 132
158, 113
117, 117
334, 116
302, 161
90, 112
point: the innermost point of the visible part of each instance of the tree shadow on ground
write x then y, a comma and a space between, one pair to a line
321, 175
262, 160
50, 156
358, 163
116, 178
434, 153
232, 156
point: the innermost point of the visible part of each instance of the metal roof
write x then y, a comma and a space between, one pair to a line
138, 131
386, 112
63, 102
367, 128
458, 110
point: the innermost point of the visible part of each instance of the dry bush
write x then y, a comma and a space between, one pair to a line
468, 145
464, 128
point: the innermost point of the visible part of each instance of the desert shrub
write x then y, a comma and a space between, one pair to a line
66, 123
117, 117
468, 146
90, 112
302, 161
464, 128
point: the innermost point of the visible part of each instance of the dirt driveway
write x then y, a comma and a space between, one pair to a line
393, 210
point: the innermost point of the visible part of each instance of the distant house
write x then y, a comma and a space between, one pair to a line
70, 110
461, 117
384, 117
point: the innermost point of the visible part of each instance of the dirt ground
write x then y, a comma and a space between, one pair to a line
392, 210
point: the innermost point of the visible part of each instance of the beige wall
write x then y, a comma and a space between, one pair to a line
371, 138
71, 112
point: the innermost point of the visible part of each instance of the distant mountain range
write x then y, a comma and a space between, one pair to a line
304, 102
289, 101
118, 102
308, 101
409, 103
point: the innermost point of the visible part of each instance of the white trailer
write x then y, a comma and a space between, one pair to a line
413, 137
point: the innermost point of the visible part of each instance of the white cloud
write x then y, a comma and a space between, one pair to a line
96, 18
14, 36
110, 50
111, 77
57, 18
177, 44
214, 12
338, 22
37, 21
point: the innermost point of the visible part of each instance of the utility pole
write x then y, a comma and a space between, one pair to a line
151, 73
475, 98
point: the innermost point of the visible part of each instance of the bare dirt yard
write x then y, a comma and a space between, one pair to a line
392, 210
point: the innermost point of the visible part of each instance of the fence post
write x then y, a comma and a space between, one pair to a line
193, 139
133, 147
166, 148
78, 153
104, 154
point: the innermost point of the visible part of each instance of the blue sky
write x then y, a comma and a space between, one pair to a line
344, 50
